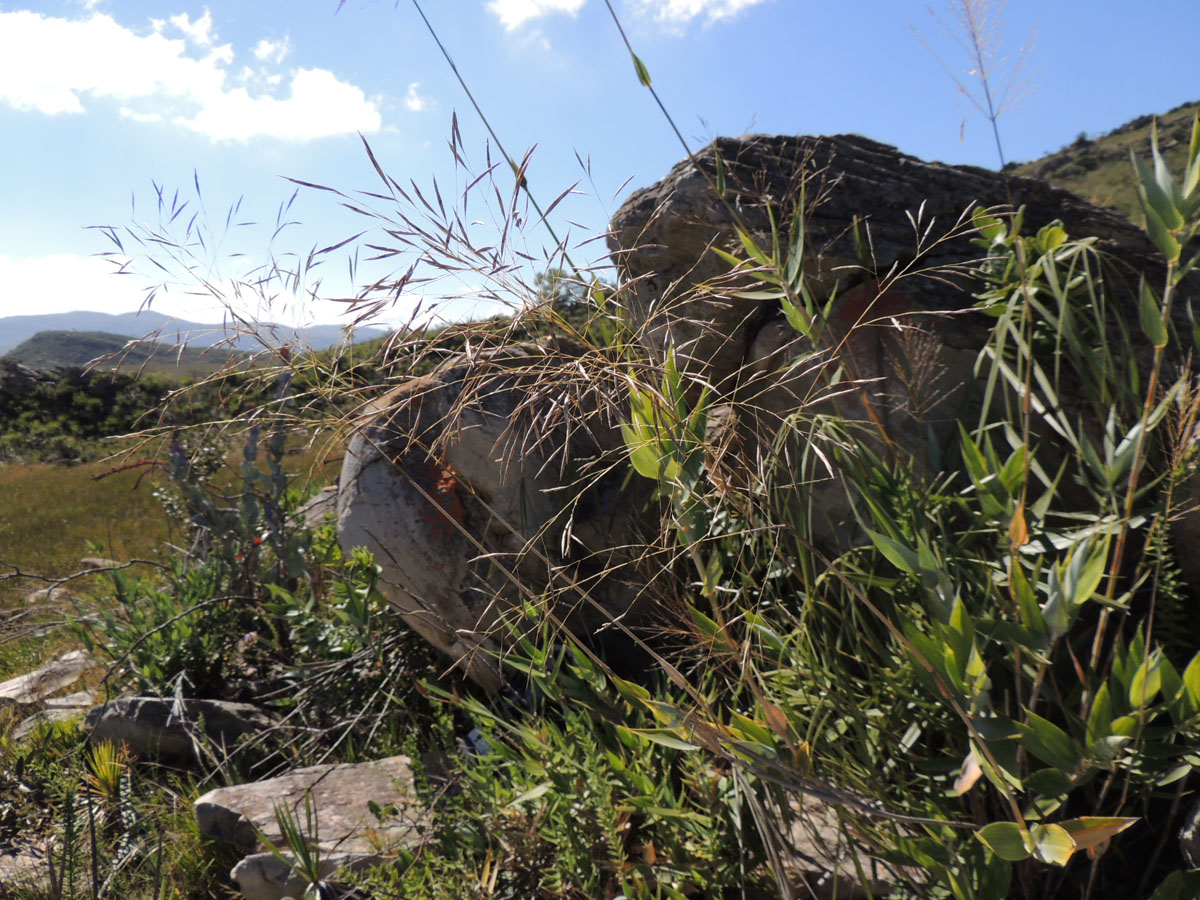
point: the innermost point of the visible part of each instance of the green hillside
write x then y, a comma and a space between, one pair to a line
65, 349
1098, 169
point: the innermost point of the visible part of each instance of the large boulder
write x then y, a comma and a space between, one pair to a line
464, 483
890, 237
911, 220
461, 485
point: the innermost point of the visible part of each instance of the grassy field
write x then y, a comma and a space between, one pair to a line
50, 512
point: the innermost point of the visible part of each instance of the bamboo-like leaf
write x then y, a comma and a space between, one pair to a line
1191, 178
1191, 681
1179, 885
666, 737
1153, 198
1050, 744
532, 794
1052, 844
1007, 840
796, 317
1159, 233
1162, 174
902, 557
1099, 723
756, 252
1146, 683
1087, 831
1150, 311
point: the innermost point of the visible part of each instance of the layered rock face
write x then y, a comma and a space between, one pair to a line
470, 488
910, 216
466, 483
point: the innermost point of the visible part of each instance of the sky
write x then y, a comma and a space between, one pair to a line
121, 113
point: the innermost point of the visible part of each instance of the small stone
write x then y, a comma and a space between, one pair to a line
265, 876
175, 730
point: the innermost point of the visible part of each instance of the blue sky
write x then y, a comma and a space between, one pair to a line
102, 99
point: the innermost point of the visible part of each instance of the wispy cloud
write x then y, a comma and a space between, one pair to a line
679, 13
58, 66
515, 13
273, 51
415, 100
199, 32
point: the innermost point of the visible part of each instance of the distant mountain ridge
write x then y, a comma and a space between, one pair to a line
15, 330
78, 349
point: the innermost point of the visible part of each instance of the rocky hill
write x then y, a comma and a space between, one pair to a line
167, 330
65, 349
1098, 169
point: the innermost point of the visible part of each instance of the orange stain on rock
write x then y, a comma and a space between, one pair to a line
448, 512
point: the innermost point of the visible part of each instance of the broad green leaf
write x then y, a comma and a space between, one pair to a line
990, 227
797, 317
1191, 178
1085, 572
1051, 237
643, 73
1006, 840
532, 793
645, 459
1099, 723
1088, 831
902, 557
1146, 683
1159, 233
1154, 198
1179, 885
1124, 726
1050, 744
1191, 682
1031, 613
1049, 782
667, 737
1162, 174
728, 257
752, 248
631, 691
755, 731
1151, 316
1052, 844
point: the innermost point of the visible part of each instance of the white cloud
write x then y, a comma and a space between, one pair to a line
413, 99
678, 13
319, 106
514, 13
58, 66
66, 282
273, 51
198, 32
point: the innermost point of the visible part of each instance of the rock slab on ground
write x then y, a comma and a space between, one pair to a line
56, 709
340, 795
346, 834
35, 686
180, 730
